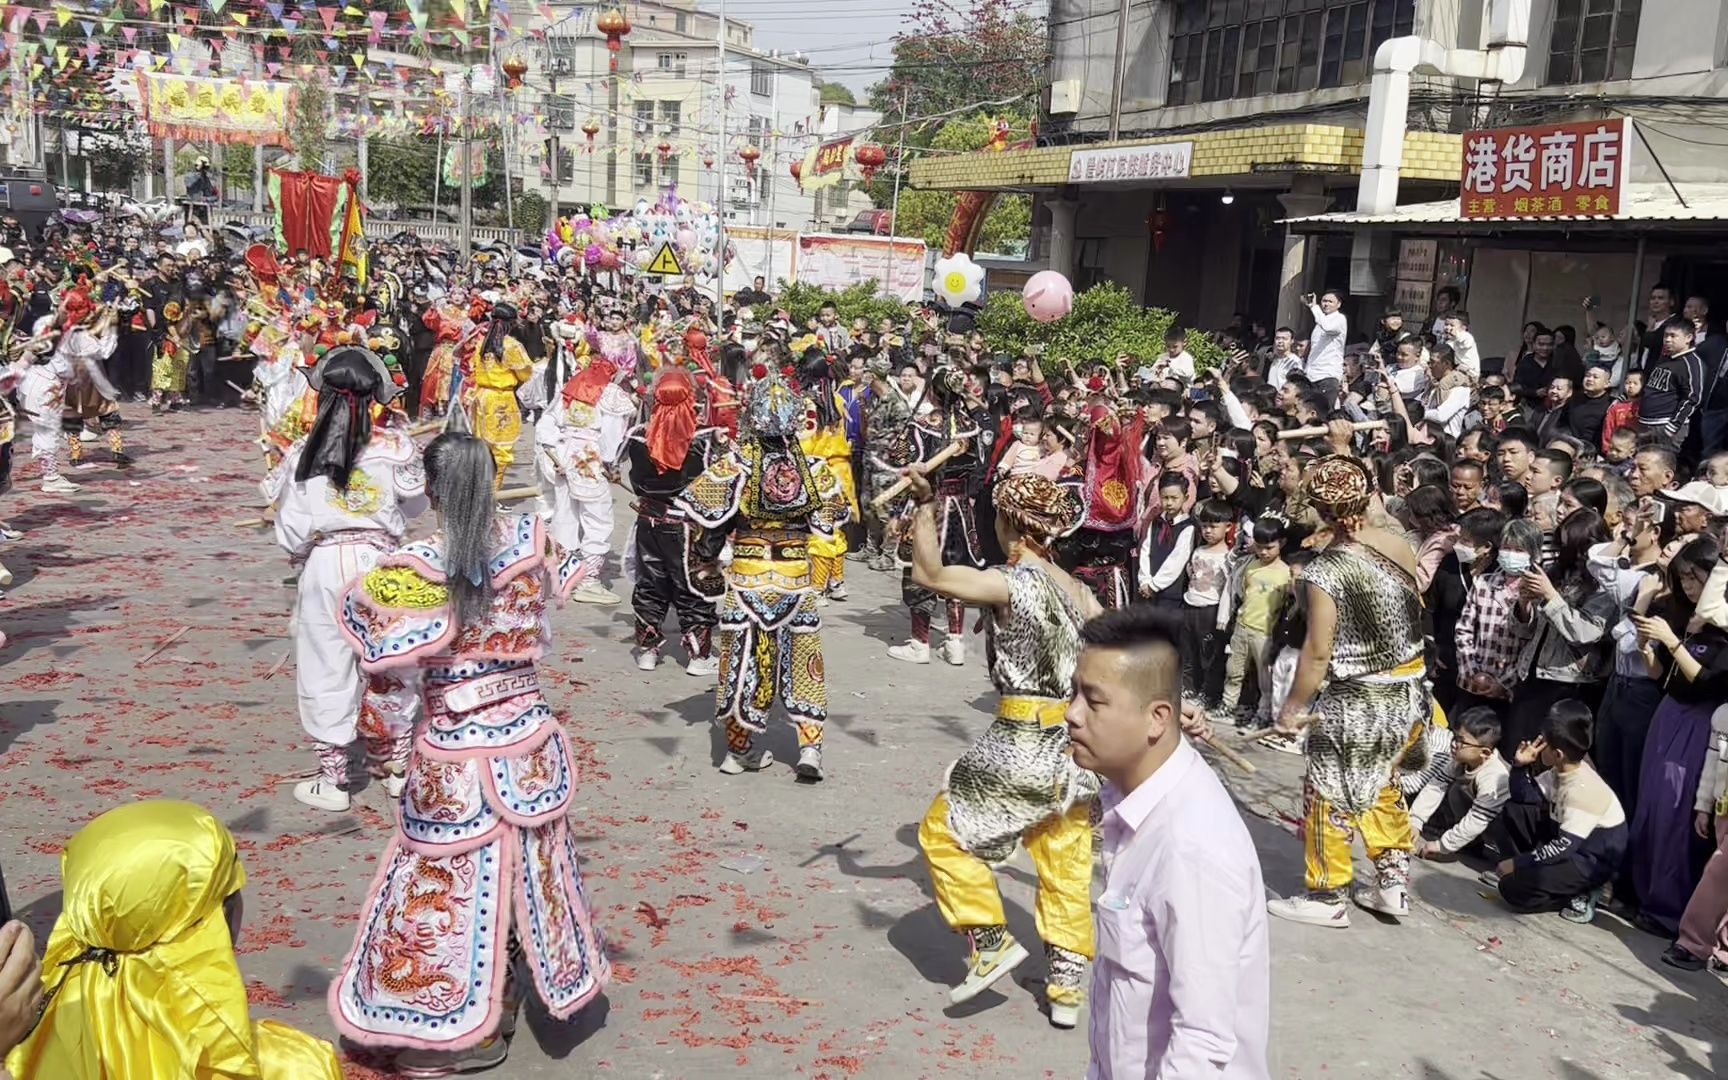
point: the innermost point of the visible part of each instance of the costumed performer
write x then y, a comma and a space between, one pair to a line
42, 372
140, 976
1360, 683
945, 422
1017, 784
674, 560
481, 878
614, 340
173, 360
88, 337
579, 439
773, 497
1112, 482
825, 437
343, 499
500, 366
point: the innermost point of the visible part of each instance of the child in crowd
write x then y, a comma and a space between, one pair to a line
1177, 360
1208, 576
1259, 586
1462, 791
1562, 825
1288, 635
1489, 639
1619, 450
1168, 543
1623, 414
1715, 470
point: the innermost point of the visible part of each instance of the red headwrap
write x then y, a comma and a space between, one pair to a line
672, 424
1113, 464
586, 385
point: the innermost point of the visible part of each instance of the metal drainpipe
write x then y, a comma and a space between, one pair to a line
1502, 61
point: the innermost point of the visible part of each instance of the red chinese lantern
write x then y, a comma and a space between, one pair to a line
615, 25
870, 157
750, 154
590, 128
1158, 224
515, 67
665, 149
707, 161
797, 170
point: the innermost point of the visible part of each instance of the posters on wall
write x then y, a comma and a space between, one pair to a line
836, 261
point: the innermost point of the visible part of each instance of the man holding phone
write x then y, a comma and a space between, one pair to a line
1325, 366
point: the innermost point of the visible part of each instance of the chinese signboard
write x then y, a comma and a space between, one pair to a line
1165, 161
828, 163
834, 261
1552, 171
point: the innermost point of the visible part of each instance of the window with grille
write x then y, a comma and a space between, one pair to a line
560, 112
644, 117
761, 80
675, 62
669, 170
645, 170
1221, 49
671, 112
1593, 40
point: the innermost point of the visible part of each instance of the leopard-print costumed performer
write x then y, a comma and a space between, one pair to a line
1362, 669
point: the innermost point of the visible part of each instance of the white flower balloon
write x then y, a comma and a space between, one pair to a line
958, 280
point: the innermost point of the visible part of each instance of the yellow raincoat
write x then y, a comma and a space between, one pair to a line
148, 985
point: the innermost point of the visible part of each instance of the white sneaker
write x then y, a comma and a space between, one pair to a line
1394, 901
838, 592
5, 576
421, 1064
394, 785
85, 435
913, 652
646, 659
755, 761
703, 667
592, 592
322, 795
809, 765
59, 485
987, 967
7, 532
1307, 909
954, 651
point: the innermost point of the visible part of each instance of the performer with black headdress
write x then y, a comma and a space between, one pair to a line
825, 437
500, 365
344, 495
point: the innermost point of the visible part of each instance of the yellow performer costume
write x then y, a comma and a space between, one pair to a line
140, 972
500, 365
779, 499
168, 370
824, 437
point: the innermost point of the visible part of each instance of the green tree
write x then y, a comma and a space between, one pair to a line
1106, 322
119, 164
956, 57
401, 170
926, 214
236, 169
837, 94
309, 125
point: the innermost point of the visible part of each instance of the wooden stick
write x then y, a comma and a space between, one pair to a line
1316, 432
279, 665
234, 388
516, 493
166, 642
426, 427
250, 523
1230, 755
898, 488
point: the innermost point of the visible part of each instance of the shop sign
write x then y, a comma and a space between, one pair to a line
1118, 164
1549, 171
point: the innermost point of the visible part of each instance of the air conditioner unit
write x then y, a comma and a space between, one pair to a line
1065, 97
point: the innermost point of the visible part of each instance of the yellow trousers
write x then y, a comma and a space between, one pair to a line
1327, 834
1061, 851
827, 571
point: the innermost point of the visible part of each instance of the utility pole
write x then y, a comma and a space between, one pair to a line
720, 193
360, 157
894, 213
465, 222
553, 107
1116, 72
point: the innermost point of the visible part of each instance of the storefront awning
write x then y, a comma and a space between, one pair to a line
1646, 207
1243, 157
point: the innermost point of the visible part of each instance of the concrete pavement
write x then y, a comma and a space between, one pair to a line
756, 924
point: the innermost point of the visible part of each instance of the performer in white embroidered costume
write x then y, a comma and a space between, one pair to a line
579, 439
343, 497
482, 875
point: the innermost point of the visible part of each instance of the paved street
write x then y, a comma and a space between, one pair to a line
758, 927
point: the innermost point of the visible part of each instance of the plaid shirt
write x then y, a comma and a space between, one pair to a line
1489, 641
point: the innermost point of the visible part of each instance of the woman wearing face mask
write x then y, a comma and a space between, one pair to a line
1692, 664
1473, 553
1489, 638
1567, 615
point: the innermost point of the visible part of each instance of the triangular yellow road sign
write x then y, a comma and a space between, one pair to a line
665, 261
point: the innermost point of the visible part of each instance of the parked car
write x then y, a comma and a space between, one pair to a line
875, 222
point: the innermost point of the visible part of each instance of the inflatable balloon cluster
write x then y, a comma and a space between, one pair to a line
629, 241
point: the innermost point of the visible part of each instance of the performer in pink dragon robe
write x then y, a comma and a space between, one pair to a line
479, 892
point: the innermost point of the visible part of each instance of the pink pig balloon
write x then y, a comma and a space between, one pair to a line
1048, 296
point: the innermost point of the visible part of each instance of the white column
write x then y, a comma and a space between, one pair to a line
1307, 196
1062, 225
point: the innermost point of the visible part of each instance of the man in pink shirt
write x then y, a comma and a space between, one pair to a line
1181, 986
